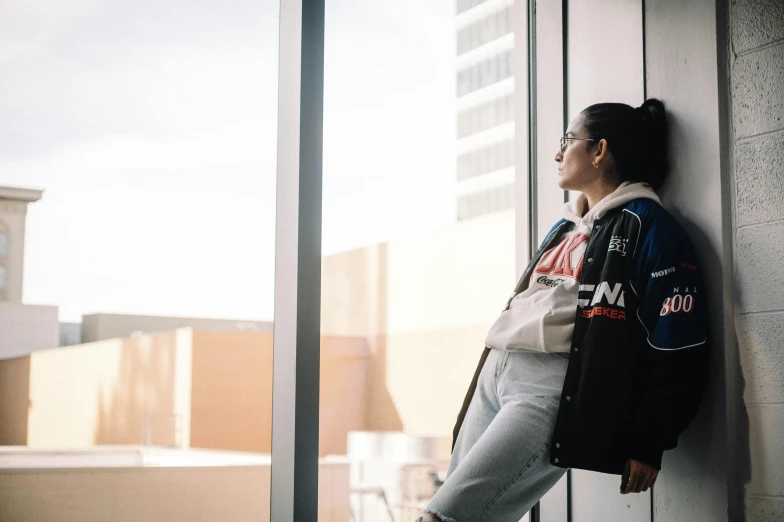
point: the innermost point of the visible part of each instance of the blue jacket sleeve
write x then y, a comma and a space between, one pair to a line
672, 310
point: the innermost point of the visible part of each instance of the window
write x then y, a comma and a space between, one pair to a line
382, 302
487, 159
487, 72
465, 5
491, 200
176, 141
485, 30
485, 116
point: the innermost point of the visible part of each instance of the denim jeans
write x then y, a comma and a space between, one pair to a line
500, 465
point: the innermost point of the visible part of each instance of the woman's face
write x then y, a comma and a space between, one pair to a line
575, 169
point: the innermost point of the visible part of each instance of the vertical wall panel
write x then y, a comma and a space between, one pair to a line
605, 54
605, 61
681, 57
554, 506
604, 64
595, 497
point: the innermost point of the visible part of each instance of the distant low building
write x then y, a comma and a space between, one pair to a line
183, 388
70, 334
99, 327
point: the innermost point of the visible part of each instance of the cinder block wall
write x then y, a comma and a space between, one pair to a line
756, 69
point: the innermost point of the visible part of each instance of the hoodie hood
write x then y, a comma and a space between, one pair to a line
626, 191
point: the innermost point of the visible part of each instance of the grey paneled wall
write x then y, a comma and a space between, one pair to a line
605, 64
681, 55
595, 497
554, 506
605, 53
604, 42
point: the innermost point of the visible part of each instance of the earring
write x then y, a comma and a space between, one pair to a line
595, 165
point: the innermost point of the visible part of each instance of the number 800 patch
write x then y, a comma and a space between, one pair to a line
677, 303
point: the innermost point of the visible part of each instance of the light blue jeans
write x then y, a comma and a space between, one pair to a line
500, 465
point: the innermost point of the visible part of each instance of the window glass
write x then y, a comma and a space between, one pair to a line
485, 116
464, 5
492, 26
394, 236
151, 128
486, 72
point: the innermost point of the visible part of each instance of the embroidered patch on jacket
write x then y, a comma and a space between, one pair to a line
679, 303
612, 295
662, 273
618, 244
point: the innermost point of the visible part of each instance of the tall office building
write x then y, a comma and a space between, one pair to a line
485, 106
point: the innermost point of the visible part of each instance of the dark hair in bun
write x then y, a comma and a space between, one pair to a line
637, 138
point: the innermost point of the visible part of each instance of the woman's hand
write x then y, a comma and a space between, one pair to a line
637, 476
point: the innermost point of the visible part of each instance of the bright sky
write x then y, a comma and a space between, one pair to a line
151, 127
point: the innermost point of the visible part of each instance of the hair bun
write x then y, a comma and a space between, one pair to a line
637, 138
651, 111
654, 128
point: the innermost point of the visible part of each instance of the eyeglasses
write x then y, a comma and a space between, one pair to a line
565, 140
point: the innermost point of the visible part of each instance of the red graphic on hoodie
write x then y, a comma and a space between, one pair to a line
566, 258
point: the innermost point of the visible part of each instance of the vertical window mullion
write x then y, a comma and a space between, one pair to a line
297, 328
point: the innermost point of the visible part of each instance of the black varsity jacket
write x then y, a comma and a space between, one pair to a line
638, 362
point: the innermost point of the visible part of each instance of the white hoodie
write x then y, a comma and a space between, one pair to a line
541, 318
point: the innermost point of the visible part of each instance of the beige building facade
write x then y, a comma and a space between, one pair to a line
396, 333
403, 324
99, 327
424, 303
185, 388
151, 484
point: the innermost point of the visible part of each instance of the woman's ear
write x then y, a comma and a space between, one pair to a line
602, 151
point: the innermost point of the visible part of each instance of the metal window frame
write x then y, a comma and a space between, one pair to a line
565, 65
297, 325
